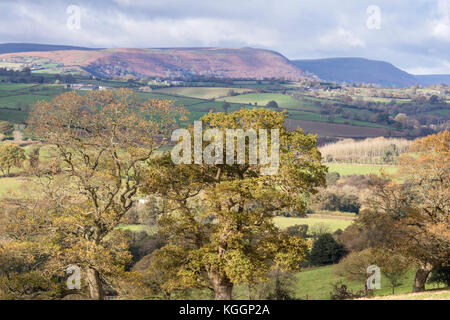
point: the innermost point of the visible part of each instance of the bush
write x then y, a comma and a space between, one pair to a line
11, 155
326, 250
332, 201
226, 106
298, 230
143, 245
357, 181
341, 292
440, 275
272, 104
6, 128
280, 286
332, 177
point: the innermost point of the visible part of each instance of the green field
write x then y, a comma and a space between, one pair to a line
261, 99
200, 92
16, 99
345, 169
137, 228
332, 223
317, 284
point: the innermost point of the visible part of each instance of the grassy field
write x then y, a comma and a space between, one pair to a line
200, 92
137, 228
317, 284
16, 98
261, 99
345, 169
9, 184
332, 223
199, 101
428, 295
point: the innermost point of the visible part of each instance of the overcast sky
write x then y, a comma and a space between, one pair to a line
413, 35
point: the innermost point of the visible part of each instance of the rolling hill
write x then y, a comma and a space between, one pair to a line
30, 47
433, 79
209, 62
357, 70
360, 70
165, 62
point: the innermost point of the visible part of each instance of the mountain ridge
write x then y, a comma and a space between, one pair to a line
363, 70
240, 62
165, 62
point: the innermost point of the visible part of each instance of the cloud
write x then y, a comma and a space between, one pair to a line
413, 35
341, 38
441, 26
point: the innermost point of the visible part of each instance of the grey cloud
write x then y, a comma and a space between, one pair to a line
414, 36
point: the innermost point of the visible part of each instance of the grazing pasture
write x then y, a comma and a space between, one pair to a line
332, 224
201, 92
16, 99
317, 283
261, 99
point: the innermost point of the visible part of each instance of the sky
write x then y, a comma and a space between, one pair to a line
412, 35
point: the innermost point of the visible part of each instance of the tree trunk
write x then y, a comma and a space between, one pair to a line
223, 292
421, 278
95, 285
222, 287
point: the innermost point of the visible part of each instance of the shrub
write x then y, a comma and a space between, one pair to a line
33, 156
11, 155
279, 286
341, 292
339, 201
226, 106
272, 104
6, 128
354, 266
298, 230
332, 177
319, 229
326, 250
142, 245
440, 275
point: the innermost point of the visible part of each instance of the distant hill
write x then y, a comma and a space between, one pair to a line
433, 79
215, 62
169, 62
357, 70
30, 47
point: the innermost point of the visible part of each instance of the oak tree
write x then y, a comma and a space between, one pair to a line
98, 147
219, 217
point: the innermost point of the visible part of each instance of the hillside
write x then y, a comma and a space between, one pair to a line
30, 47
169, 62
358, 70
433, 79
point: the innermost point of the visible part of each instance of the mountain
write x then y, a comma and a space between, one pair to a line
30, 47
433, 79
162, 62
357, 70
